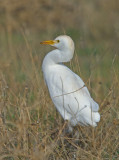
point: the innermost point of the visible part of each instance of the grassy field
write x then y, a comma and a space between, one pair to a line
30, 127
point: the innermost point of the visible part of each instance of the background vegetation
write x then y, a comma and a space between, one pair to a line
30, 127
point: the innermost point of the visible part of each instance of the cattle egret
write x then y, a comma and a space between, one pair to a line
67, 90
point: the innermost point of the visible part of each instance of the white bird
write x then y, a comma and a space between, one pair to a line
67, 90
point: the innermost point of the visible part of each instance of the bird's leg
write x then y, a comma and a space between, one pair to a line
68, 128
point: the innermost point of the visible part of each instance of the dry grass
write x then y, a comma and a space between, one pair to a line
96, 20
30, 127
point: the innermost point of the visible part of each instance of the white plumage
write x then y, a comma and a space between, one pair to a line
67, 90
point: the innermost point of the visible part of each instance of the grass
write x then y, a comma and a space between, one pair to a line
30, 127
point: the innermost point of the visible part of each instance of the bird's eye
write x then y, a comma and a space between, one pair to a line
58, 41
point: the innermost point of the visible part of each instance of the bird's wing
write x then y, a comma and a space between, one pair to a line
66, 88
94, 106
81, 85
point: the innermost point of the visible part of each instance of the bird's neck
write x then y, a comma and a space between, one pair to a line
55, 57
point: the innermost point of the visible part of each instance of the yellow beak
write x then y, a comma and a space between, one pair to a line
49, 42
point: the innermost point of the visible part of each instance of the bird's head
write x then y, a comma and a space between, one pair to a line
62, 42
